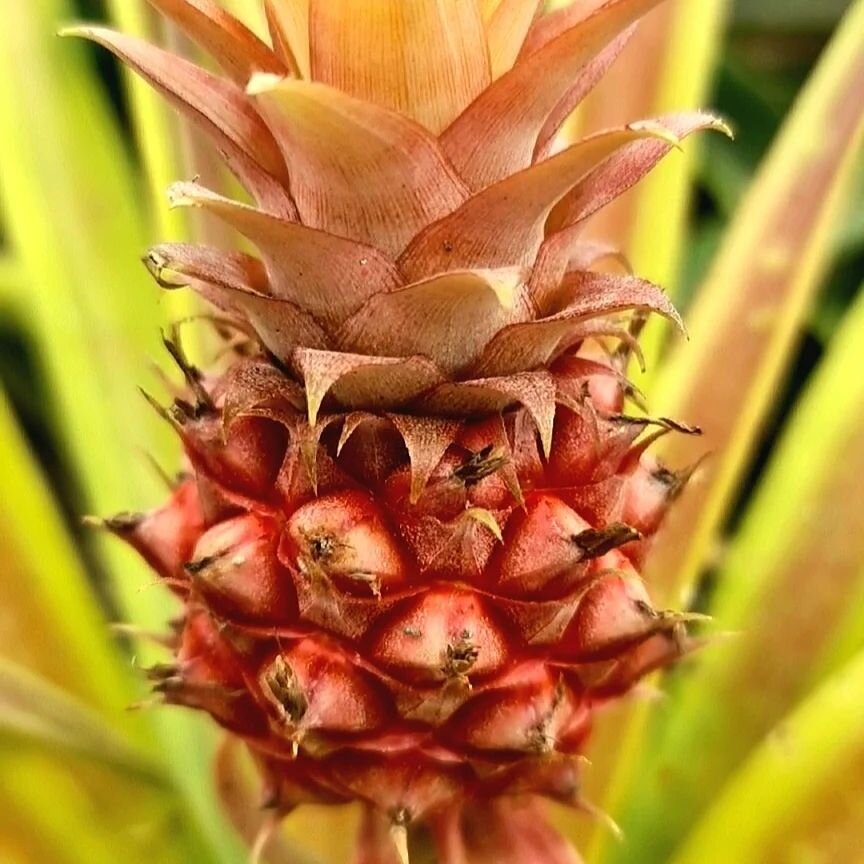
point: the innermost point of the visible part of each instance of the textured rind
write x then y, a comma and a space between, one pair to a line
409, 538
411, 653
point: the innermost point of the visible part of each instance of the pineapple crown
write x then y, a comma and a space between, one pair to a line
418, 223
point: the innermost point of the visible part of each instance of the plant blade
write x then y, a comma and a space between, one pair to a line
95, 317
666, 66
803, 808
784, 589
38, 712
753, 303
53, 622
791, 208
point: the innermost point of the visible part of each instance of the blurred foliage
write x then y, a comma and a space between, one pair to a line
84, 155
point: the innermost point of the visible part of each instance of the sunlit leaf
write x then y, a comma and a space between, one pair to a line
785, 588
745, 322
742, 331
799, 795
69, 203
791, 15
49, 618
54, 812
171, 148
157, 132
250, 12
35, 711
667, 66
10, 276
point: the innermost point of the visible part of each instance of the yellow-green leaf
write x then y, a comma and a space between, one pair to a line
799, 795
667, 66
742, 331
49, 618
747, 315
69, 202
38, 712
54, 812
785, 588
158, 132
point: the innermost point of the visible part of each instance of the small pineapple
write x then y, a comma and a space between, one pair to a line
408, 543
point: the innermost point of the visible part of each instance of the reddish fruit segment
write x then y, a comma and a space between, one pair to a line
236, 568
343, 537
445, 634
369, 646
409, 544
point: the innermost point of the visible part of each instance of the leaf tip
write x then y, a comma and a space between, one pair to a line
263, 82
653, 129
159, 267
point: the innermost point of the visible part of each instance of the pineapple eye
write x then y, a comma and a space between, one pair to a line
321, 547
281, 688
479, 465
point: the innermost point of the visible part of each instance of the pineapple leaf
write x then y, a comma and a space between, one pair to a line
69, 204
10, 277
748, 313
693, 37
793, 775
63, 833
754, 301
785, 589
231, 44
158, 138
671, 56
35, 711
49, 813
250, 12
58, 628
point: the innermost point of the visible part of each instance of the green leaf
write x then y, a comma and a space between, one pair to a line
158, 132
667, 66
784, 588
69, 201
743, 329
10, 276
795, 15
662, 201
56, 812
747, 316
38, 712
799, 795
170, 149
51, 620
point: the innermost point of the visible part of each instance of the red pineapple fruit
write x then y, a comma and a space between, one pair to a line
408, 545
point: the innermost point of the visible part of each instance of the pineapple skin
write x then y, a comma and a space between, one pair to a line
425, 657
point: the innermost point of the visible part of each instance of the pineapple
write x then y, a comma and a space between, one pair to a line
409, 538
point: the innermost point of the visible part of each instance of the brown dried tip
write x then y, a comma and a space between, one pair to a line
480, 465
662, 422
595, 542
122, 523
191, 373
